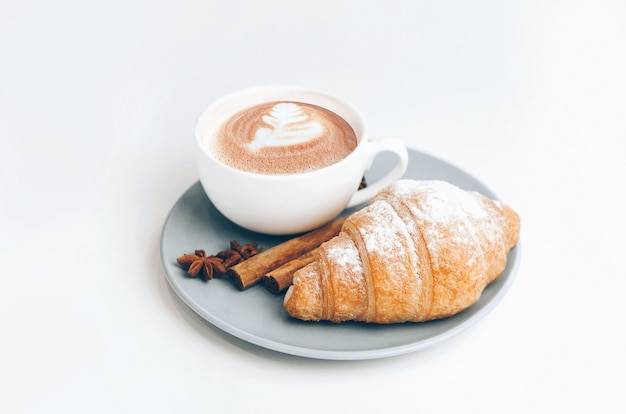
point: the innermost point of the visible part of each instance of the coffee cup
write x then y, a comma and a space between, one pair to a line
290, 181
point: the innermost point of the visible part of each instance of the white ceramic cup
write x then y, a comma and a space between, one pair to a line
290, 203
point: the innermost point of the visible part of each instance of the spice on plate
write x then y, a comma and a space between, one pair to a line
198, 264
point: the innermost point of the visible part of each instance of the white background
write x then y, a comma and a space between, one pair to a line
97, 108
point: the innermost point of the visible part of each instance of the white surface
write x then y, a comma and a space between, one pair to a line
97, 106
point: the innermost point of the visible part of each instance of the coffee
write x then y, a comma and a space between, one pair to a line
283, 138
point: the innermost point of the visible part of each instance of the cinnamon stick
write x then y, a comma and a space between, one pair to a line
251, 271
280, 278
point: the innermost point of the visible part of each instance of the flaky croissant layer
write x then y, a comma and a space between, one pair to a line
421, 250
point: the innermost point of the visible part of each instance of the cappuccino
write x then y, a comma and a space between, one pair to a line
283, 137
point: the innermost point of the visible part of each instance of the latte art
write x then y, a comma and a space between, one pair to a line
283, 138
287, 126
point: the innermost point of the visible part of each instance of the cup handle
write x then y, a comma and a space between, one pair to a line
374, 148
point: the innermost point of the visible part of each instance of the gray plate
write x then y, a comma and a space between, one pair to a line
257, 316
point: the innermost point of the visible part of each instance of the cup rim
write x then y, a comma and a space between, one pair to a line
361, 138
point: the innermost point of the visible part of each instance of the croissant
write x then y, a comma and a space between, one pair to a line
421, 250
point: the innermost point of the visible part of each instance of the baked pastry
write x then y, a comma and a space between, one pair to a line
421, 250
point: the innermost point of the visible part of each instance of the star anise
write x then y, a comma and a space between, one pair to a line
238, 253
363, 183
230, 257
199, 264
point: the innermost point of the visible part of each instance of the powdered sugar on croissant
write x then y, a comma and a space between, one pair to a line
420, 250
